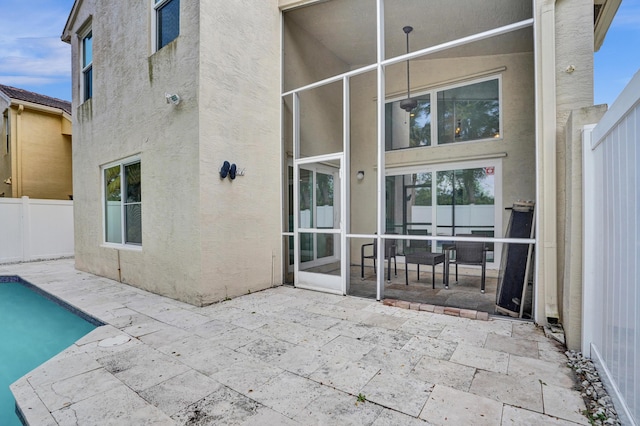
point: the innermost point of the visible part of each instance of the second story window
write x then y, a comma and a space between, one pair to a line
167, 20
87, 66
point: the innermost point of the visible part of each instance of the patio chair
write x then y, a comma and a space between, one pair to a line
468, 253
390, 249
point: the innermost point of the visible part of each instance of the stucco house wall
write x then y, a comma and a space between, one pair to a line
193, 223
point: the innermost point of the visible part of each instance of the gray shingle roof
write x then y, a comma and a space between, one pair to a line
25, 95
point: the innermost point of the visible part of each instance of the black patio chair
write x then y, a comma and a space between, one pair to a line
390, 250
469, 253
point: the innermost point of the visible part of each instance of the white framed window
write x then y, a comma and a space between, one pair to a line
122, 196
457, 198
87, 65
465, 112
166, 22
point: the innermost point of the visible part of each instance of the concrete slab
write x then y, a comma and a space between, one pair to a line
288, 356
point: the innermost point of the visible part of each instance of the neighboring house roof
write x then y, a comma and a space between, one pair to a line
25, 95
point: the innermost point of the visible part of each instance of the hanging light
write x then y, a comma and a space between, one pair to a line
408, 104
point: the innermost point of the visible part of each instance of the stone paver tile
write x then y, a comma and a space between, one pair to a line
564, 403
516, 391
310, 319
446, 373
391, 360
162, 337
514, 416
385, 321
302, 360
233, 339
266, 348
297, 334
458, 322
32, 407
59, 394
347, 347
62, 367
427, 346
528, 330
251, 320
471, 337
350, 329
401, 393
512, 345
495, 325
548, 372
395, 339
288, 394
394, 418
142, 328
552, 351
422, 327
448, 406
182, 318
345, 375
118, 406
245, 374
356, 302
222, 406
484, 359
142, 367
338, 408
211, 328
180, 391
267, 417
97, 334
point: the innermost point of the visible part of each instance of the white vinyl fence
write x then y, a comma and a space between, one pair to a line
611, 293
33, 229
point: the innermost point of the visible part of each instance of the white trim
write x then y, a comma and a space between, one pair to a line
82, 36
590, 244
433, 92
122, 163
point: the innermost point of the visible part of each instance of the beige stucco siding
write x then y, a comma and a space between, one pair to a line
127, 116
203, 238
240, 220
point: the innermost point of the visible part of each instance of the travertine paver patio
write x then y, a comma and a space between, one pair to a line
286, 356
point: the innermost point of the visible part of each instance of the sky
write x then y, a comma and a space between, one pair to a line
32, 56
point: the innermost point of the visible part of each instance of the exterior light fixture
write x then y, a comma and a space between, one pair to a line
458, 129
360, 174
8, 180
172, 98
408, 104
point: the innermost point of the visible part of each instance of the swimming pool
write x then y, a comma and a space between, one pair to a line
34, 326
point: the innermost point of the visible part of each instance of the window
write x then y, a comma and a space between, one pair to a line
167, 21
123, 203
87, 66
465, 197
470, 112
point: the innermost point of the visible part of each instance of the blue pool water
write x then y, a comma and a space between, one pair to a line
33, 329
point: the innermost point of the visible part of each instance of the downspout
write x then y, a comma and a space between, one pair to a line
17, 171
548, 179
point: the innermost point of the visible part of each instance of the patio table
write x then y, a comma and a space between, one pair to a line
424, 258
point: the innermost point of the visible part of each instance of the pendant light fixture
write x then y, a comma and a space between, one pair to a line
408, 104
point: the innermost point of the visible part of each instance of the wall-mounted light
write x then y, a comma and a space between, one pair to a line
172, 98
360, 174
8, 180
458, 130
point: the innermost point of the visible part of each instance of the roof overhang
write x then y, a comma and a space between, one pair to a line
66, 32
603, 13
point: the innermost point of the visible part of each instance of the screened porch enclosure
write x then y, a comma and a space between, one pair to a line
419, 179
